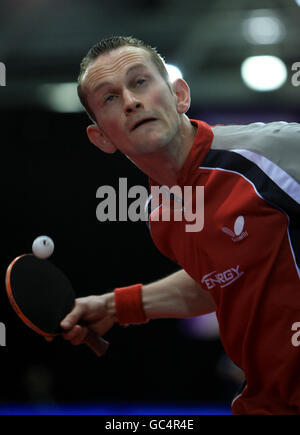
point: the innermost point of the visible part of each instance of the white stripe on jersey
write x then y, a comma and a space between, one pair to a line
288, 184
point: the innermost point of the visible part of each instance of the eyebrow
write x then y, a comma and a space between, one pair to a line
129, 71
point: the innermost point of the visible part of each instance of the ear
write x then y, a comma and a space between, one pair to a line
183, 95
99, 139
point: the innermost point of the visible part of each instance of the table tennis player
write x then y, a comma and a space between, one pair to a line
245, 262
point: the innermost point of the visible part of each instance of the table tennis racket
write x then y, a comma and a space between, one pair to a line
42, 295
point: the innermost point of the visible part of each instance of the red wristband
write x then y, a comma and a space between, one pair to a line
129, 305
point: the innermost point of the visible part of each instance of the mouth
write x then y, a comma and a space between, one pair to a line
142, 122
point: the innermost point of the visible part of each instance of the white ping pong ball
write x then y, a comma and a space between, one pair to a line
43, 247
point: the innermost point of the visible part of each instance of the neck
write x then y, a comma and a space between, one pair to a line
164, 167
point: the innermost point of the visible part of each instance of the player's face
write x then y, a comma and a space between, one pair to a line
135, 109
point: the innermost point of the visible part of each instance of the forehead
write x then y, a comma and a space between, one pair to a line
115, 62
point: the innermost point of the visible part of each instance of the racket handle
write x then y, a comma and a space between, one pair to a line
97, 344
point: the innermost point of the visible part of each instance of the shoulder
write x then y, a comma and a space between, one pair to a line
278, 142
256, 133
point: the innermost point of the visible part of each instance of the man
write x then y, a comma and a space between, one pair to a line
244, 264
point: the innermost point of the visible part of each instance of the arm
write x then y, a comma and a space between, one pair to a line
176, 296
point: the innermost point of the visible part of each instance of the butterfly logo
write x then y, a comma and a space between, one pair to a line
238, 232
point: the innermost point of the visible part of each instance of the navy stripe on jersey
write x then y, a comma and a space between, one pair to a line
267, 189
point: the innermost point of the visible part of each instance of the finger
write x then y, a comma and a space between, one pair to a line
49, 339
72, 333
74, 316
80, 337
103, 325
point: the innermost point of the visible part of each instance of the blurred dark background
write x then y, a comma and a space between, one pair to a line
50, 173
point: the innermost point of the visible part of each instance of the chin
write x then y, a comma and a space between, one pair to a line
157, 142
151, 147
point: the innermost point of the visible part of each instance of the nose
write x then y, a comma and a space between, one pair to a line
131, 102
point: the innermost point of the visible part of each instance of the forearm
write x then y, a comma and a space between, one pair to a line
176, 296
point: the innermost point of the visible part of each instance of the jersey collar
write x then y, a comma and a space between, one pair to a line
197, 154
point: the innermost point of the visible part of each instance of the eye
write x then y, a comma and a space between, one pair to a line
140, 82
109, 98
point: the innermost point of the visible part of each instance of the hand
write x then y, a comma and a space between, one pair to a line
89, 313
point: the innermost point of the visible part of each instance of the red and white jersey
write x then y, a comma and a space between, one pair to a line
248, 253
